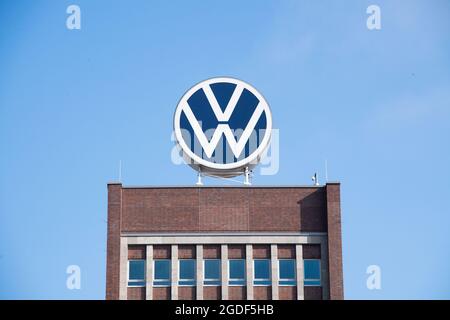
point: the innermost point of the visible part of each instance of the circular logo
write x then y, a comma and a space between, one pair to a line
222, 126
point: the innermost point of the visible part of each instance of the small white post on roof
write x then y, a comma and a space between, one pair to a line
247, 177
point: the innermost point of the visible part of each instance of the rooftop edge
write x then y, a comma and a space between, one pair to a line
218, 186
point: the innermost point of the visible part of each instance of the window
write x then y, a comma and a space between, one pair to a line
287, 272
236, 269
261, 272
136, 273
162, 273
187, 272
212, 272
312, 272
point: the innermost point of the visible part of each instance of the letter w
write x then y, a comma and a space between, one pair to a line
210, 146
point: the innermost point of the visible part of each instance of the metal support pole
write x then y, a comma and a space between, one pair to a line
199, 179
247, 177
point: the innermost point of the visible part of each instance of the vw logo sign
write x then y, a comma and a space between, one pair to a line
223, 125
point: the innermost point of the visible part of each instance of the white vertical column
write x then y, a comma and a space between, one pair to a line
224, 269
149, 272
299, 272
123, 266
249, 268
174, 288
274, 270
324, 269
200, 273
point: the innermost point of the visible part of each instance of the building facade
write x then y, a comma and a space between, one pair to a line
229, 243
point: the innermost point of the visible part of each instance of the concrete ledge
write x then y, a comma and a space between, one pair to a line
220, 234
204, 239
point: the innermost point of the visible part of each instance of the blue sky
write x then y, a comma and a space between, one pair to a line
375, 104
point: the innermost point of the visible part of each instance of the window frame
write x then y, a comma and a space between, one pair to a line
320, 274
194, 280
131, 281
155, 281
219, 280
261, 279
294, 280
244, 280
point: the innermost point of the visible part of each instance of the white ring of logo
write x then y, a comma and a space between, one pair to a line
262, 106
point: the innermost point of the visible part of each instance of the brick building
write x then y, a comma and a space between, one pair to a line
252, 242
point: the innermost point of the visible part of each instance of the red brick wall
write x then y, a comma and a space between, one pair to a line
186, 293
334, 241
162, 252
211, 251
113, 242
161, 293
311, 251
261, 251
237, 293
223, 209
212, 293
262, 293
136, 293
136, 252
236, 251
287, 293
186, 252
286, 251
161, 209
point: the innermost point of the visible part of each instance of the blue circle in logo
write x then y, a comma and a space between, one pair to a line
223, 124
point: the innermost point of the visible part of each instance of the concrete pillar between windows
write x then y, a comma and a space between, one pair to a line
249, 268
324, 270
224, 269
174, 260
123, 267
299, 272
149, 273
274, 270
200, 273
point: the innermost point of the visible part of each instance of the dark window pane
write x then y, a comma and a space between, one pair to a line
187, 271
136, 270
237, 269
262, 269
288, 282
312, 282
287, 269
162, 269
212, 269
312, 269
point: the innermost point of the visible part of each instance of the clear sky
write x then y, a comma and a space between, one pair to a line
375, 104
